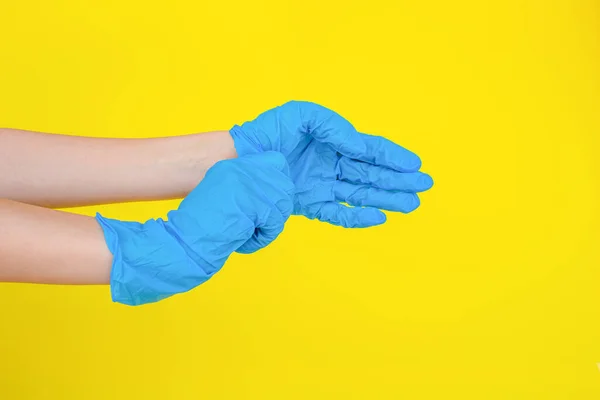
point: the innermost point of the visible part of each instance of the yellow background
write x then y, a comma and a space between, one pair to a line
491, 290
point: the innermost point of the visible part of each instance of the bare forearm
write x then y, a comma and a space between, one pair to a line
41, 245
65, 171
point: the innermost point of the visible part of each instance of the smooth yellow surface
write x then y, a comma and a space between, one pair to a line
491, 290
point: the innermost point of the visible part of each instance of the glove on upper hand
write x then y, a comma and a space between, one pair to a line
330, 162
240, 205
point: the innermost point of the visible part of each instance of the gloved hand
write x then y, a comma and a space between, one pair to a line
330, 162
240, 205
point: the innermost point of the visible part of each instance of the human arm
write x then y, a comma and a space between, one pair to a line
241, 205
40, 245
59, 171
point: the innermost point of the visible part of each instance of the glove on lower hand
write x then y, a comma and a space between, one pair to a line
330, 162
240, 205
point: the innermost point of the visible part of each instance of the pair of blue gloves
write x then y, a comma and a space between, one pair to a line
299, 158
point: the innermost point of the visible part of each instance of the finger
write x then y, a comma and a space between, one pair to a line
366, 196
383, 178
350, 217
265, 233
327, 126
383, 152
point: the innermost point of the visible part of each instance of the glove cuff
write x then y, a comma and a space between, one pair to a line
243, 143
149, 264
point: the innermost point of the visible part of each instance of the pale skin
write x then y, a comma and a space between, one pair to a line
44, 171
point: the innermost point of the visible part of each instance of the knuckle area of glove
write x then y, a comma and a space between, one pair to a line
315, 193
284, 207
267, 219
277, 211
358, 197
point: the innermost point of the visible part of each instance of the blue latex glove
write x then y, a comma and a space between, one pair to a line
240, 205
330, 162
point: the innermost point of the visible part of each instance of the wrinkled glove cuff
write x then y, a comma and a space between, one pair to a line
149, 264
243, 143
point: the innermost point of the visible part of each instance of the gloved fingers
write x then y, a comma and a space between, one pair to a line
385, 153
265, 232
328, 127
366, 196
383, 178
350, 217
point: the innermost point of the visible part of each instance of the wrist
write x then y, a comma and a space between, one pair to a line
179, 163
206, 150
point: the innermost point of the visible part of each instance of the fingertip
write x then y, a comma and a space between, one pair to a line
411, 163
425, 182
370, 216
378, 217
412, 202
